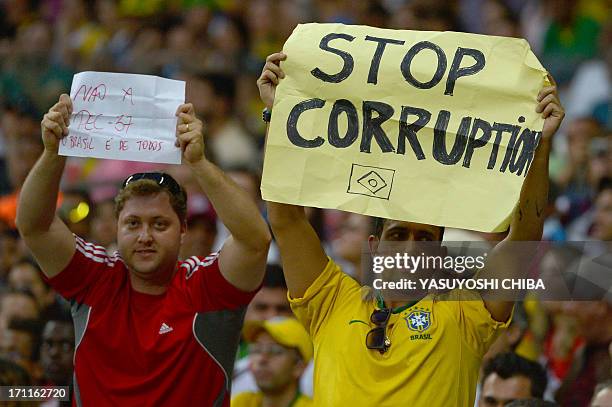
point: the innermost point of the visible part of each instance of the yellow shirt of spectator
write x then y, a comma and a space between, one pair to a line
435, 353
251, 399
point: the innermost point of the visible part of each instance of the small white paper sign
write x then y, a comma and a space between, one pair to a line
124, 117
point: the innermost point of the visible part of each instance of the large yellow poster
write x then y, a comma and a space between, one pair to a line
429, 127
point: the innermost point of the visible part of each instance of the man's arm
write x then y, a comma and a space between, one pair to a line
528, 220
47, 237
243, 257
302, 255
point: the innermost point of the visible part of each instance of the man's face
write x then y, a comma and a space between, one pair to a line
17, 305
199, 239
25, 276
17, 346
497, 392
353, 232
588, 316
399, 231
273, 366
103, 225
413, 239
248, 183
603, 216
268, 303
23, 149
203, 96
56, 352
149, 234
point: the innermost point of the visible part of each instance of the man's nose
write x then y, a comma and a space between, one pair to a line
259, 359
55, 351
411, 246
145, 234
269, 313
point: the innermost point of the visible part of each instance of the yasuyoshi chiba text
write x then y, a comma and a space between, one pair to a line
434, 284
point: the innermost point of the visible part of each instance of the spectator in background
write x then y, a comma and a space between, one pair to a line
20, 343
10, 251
509, 340
262, 21
600, 165
181, 51
25, 275
56, 350
602, 395
22, 148
17, 304
196, 18
499, 19
591, 363
201, 229
31, 76
270, 302
227, 142
602, 222
228, 39
597, 223
247, 179
103, 226
11, 374
435, 16
144, 53
350, 241
508, 377
279, 350
574, 179
79, 34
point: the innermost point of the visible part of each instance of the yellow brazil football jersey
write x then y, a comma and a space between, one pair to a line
434, 358
251, 399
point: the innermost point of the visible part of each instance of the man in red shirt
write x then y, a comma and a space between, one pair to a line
149, 330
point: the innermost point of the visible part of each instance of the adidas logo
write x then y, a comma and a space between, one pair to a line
164, 329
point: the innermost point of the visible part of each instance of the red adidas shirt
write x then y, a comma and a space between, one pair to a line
135, 349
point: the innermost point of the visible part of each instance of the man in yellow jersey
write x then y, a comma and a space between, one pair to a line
423, 354
279, 350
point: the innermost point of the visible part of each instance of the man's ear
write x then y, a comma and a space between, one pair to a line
373, 242
183, 231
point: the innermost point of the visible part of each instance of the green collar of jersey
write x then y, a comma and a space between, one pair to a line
298, 394
381, 304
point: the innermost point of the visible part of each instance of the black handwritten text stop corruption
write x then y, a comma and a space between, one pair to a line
471, 134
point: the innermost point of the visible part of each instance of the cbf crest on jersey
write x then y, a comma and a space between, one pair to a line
418, 320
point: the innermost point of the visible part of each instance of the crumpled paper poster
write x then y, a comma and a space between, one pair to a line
124, 117
430, 127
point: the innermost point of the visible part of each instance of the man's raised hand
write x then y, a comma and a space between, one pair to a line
189, 134
270, 77
54, 125
551, 109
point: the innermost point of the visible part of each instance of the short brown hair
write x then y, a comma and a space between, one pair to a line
148, 187
379, 224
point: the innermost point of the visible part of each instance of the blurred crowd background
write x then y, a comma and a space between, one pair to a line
218, 47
